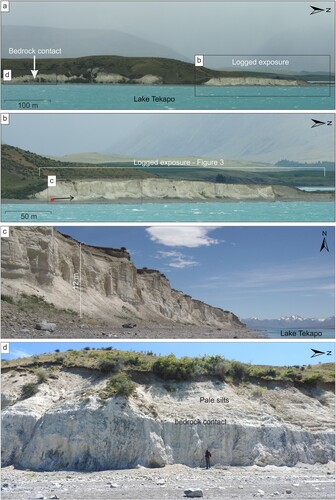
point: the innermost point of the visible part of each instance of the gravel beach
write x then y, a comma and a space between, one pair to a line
304, 482
22, 325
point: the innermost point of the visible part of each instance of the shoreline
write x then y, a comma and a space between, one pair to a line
140, 85
164, 189
150, 331
325, 197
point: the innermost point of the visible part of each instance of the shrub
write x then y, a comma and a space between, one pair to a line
135, 361
270, 372
7, 298
263, 372
121, 385
257, 393
170, 368
57, 350
29, 390
170, 388
42, 375
238, 371
314, 379
109, 366
221, 370
291, 374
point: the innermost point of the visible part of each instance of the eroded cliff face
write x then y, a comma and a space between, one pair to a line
97, 282
161, 189
268, 82
66, 426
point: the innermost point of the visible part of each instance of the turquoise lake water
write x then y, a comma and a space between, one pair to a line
114, 97
172, 212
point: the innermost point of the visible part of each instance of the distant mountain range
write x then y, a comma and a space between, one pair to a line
262, 138
290, 322
78, 43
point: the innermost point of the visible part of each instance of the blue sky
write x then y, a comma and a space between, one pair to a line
264, 272
268, 353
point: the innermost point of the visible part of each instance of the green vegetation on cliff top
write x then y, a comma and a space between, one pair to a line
110, 361
171, 71
21, 180
20, 172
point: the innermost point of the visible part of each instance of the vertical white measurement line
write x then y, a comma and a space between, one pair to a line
53, 249
80, 280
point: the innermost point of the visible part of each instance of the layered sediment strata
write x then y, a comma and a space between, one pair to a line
165, 189
253, 81
102, 281
66, 426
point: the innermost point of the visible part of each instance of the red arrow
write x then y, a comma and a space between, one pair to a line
70, 198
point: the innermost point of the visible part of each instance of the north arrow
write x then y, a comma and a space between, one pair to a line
324, 245
34, 71
317, 123
316, 353
66, 198
316, 10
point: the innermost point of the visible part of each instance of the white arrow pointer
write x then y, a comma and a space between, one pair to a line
34, 71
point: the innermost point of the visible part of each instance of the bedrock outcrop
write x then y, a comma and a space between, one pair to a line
253, 81
66, 426
97, 282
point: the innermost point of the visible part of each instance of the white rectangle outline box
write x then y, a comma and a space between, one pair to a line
196, 85
4, 231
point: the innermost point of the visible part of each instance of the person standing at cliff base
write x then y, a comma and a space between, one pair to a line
207, 458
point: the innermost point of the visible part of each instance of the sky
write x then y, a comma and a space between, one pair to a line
75, 133
260, 137
264, 272
236, 28
274, 353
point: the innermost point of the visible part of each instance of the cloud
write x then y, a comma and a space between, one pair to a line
191, 237
177, 259
164, 253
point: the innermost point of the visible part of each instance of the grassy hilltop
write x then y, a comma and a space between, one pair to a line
127, 367
20, 173
170, 71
